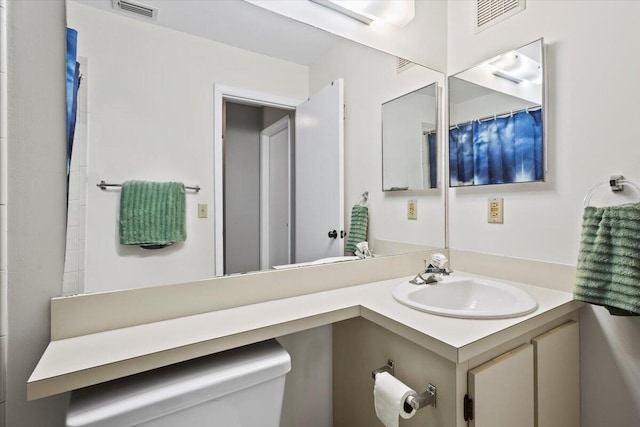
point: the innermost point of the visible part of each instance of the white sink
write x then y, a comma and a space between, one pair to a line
468, 298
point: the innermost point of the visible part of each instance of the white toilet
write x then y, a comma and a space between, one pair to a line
242, 387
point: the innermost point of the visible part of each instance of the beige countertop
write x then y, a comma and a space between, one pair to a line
85, 360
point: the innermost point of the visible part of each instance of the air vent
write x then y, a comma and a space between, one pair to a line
403, 65
142, 10
490, 12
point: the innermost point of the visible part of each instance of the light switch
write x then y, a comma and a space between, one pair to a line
202, 210
495, 214
412, 209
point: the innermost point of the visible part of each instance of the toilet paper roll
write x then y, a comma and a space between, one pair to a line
389, 395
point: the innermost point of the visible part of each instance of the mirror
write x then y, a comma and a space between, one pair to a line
147, 111
496, 120
410, 141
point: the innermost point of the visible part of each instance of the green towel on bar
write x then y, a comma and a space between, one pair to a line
152, 213
359, 224
609, 260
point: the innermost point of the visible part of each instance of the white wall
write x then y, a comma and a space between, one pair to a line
37, 191
370, 80
151, 102
484, 106
4, 247
423, 40
592, 85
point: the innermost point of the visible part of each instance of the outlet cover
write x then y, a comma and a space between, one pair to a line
412, 209
495, 211
202, 210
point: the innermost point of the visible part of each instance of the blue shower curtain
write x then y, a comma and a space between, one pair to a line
432, 140
497, 151
73, 84
461, 163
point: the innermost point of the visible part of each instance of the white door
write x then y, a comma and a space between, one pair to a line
319, 198
502, 390
275, 191
557, 356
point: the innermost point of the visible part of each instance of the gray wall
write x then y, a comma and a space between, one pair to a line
37, 197
242, 188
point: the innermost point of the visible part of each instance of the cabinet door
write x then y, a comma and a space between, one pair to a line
502, 390
557, 355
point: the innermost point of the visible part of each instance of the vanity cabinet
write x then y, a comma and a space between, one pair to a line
534, 385
531, 380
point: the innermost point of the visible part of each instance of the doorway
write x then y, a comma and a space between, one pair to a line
257, 149
314, 223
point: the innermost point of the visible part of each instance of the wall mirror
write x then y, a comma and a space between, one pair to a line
496, 120
410, 141
151, 102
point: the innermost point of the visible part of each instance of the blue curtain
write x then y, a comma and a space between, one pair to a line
461, 155
73, 83
432, 140
502, 150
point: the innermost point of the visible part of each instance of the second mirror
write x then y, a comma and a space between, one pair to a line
410, 141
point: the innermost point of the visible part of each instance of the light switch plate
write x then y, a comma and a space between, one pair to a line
412, 209
202, 210
495, 211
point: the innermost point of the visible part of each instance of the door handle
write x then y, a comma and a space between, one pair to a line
333, 234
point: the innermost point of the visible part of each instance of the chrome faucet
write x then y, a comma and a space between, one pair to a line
435, 274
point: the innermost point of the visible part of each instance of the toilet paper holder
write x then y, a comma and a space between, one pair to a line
419, 401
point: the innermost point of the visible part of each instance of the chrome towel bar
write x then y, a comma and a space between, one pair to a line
103, 186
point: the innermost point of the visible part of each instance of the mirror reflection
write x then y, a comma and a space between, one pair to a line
410, 141
496, 126
191, 97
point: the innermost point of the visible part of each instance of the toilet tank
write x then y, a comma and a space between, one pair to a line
242, 387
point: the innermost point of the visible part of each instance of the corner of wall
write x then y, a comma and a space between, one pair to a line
33, 178
4, 320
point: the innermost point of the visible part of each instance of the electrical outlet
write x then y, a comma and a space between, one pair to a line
412, 209
202, 210
496, 212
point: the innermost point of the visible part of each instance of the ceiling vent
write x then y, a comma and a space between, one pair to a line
403, 65
131, 7
490, 12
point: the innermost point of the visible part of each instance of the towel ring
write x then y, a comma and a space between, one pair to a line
363, 199
616, 183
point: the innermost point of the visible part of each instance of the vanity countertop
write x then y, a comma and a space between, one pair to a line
85, 360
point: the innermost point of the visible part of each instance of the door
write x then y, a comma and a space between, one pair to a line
275, 191
557, 355
502, 390
319, 197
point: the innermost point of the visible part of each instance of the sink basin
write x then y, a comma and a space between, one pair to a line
468, 298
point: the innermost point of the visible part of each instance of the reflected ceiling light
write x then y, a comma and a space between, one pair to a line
395, 12
517, 67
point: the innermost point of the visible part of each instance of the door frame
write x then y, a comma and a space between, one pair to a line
243, 96
265, 139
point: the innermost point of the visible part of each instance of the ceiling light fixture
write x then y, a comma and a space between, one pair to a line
517, 67
395, 12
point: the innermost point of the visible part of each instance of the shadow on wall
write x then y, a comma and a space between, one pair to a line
611, 344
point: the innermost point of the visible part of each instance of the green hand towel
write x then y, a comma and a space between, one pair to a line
609, 260
359, 224
152, 213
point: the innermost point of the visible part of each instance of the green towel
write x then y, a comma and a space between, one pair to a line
152, 213
609, 260
359, 224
